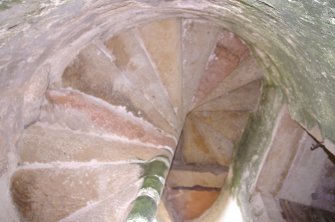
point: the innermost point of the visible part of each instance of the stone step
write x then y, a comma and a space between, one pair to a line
188, 204
113, 208
247, 72
234, 44
230, 124
45, 143
204, 144
198, 41
50, 194
244, 99
82, 112
224, 59
132, 60
189, 178
162, 40
94, 72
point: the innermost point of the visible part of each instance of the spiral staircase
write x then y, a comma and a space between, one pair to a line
170, 92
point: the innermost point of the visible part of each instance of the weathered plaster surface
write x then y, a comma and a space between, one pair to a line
252, 149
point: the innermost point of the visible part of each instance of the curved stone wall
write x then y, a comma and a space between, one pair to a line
293, 40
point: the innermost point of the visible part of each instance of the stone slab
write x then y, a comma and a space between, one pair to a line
199, 39
54, 193
245, 98
82, 112
44, 143
162, 40
95, 73
187, 178
247, 71
132, 60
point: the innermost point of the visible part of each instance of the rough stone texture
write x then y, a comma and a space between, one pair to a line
282, 151
94, 72
112, 208
162, 39
188, 204
242, 99
248, 71
230, 124
187, 178
44, 143
199, 39
234, 44
87, 113
221, 64
11, 123
203, 143
248, 158
300, 213
265, 208
194, 146
279, 32
53, 193
131, 59
324, 196
308, 165
34, 95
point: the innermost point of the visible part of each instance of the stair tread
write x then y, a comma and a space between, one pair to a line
221, 63
43, 143
113, 208
93, 72
86, 113
242, 99
189, 178
220, 148
188, 204
132, 61
203, 144
234, 44
230, 124
162, 40
247, 72
52, 194
199, 39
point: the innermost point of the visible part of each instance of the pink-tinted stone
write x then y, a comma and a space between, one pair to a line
245, 98
234, 44
95, 73
133, 62
50, 194
188, 204
45, 143
230, 124
162, 40
199, 39
227, 55
246, 72
222, 62
106, 118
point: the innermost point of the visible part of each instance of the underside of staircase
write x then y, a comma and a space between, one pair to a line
145, 125
110, 124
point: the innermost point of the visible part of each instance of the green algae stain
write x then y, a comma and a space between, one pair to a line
155, 167
6, 4
253, 145
143, 208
